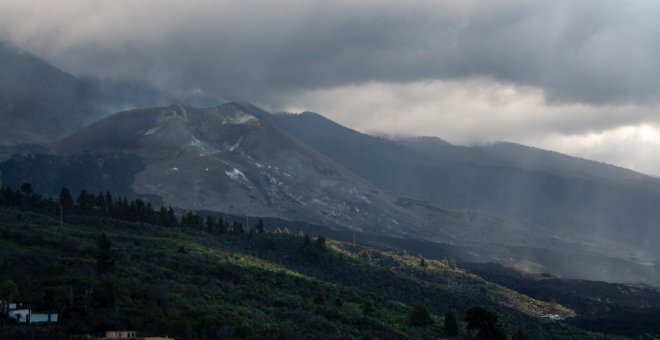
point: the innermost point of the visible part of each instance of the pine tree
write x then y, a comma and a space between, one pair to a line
84, 201
99, 203
238, 228
368, 308
26, 189
319, 299
420, 316
320, 242
260, 227
108, 201
211, 224
223, 226
140, 210
172, 220
485, 322
65, 199
6, 196
150, 214
520, 335
189, 220
451, 324
161, 216
28, 194
105, 257
8, 291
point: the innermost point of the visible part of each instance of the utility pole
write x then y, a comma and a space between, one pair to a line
61, 215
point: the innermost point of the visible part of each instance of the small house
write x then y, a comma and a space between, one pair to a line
119, 335
122, 335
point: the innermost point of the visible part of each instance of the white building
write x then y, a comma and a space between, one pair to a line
25, 315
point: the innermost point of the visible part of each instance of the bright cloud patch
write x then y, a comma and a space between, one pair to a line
481, 110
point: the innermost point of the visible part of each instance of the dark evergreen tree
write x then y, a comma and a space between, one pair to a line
161, 216
29, 198
238, 228
16, 198
420, 316
65, 199
108, 201
26, 189
140, 210
99, 204
132, 211
54, 299
7, 196
105, 257
211, 224
260, 227
368, 308
172, 220
520, 335
485, 323
319, 299
223, 226
197, 222
125, 209
188, 220
85, 202
152, 214
320, 242
451, 324
8, 291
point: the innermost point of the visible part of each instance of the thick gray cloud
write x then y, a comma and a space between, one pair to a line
562, 74
592, 51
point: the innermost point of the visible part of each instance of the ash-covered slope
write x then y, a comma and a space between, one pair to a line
229, 159
226, 159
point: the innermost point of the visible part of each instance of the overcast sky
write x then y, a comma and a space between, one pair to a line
580, 77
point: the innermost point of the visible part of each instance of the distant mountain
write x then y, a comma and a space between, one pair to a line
602, 207
40, 103
536, 159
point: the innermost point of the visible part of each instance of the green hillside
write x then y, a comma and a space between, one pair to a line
191, 284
